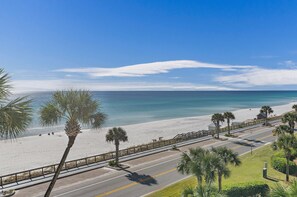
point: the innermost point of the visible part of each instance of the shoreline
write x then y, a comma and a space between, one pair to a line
34, 151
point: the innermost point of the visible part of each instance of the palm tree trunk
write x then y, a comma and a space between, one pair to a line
199, 181
287, 170
218, 129
292, 125
71, 140
228, 122
266, 119
117, 153
220, 181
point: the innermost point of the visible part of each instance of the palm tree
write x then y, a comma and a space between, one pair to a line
290, 118
116, 135
217, 119
204, 165
281, 191
294, 107
210, 164
192, 163
74, 107
229, 116
15, 115
221, 168
228, 157
286, 142
266, 110
281, 129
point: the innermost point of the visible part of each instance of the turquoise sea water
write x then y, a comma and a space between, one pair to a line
125, 108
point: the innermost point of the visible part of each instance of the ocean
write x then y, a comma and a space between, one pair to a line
125, 108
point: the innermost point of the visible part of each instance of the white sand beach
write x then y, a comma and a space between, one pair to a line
36, 151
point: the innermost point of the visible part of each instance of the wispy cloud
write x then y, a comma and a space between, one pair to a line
21, 86
264, 57
238, 77
288, 63
261, 77
139, 70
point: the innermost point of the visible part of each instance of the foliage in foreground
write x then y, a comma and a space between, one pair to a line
16, 114
201, 191
249, 171
76, 107
282, 191
247, 189
286, 143
279, 164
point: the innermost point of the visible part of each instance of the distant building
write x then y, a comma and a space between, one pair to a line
212, 127
236, 123
261, 116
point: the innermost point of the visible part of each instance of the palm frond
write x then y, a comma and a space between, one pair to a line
97, 120
15, 117
293, 188
188, 192
117, 135
4, 84
50, 114
279, 191
217, 118
229, 115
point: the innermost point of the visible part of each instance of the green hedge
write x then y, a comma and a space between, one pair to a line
282, 154
247, 189
279, 164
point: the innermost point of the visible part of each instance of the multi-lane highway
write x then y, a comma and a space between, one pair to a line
156, 174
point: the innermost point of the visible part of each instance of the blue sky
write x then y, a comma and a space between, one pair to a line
149, 45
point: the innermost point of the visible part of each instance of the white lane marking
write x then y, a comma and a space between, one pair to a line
93, 184
115, 177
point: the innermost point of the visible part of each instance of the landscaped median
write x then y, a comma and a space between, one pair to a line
249, 171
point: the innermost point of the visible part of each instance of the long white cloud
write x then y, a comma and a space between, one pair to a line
261, 77
21, 86
139, 70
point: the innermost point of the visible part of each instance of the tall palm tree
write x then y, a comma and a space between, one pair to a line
294, 107
228, 157
286, 143
116, 135
192, 163
281, 191
290, 118
215, 167
281, 129
74, 107
266, 110
217, 119
229, 116
15, 115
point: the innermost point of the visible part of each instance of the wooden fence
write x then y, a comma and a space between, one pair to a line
32, 174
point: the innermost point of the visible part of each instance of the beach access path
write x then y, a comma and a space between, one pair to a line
146, 174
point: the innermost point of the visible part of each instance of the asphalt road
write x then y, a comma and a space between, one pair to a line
149, 177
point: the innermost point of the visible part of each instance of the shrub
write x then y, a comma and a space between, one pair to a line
230, 135
10, 192
282, 154
112, 163
279, 164
174, 147
294, 154
247, 189
279, 154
